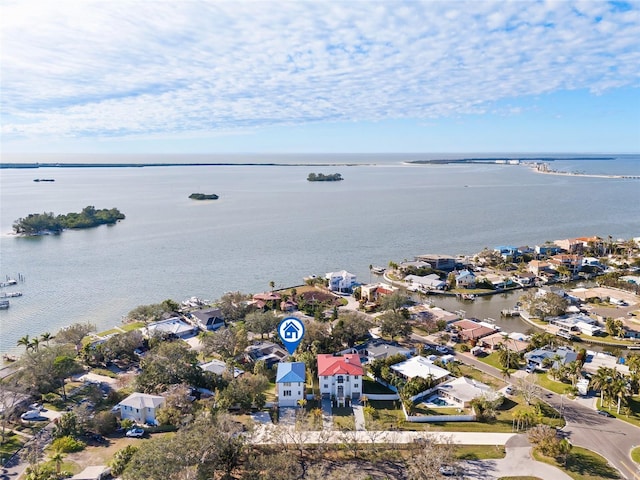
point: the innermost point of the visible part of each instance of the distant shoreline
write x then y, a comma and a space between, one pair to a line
140, 165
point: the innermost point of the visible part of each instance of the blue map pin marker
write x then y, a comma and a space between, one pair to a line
291, 331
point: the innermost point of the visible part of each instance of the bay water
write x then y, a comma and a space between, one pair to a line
271, 224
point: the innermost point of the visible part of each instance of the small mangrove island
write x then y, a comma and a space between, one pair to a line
321, 177
203, 196
44, 179
43, 223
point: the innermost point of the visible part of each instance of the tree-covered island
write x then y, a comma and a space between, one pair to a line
39, 223
321, 177
203, 196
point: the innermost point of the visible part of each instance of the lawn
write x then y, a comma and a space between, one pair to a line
343, 418
633, 416
471, 372
371, 386
583, 464
11, 445
546, 382
635, 454
480, 452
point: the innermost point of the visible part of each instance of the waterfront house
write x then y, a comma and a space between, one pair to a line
438, 262
141, 407
507, 252
499, 339
341, 281
427, 282
372, 292
209, 319
470, 330
544, 358
340, 377
547, 249
290, 380
265, 300
171, 326
524, 279
571, 261
465, 279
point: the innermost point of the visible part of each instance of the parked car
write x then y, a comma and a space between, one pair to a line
442, 349
448, 470
508, 390
604, 413
135, 432
31, 415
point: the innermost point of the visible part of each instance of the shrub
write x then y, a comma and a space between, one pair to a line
127, 423
464, 347
121, 459
67, 445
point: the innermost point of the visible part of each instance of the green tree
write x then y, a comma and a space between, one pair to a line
168, 364
261, 322
73, 334
351, 327
394, 324
395, 301
63, 367
121, 459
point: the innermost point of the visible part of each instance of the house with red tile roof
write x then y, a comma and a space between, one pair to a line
340, 377
470, 330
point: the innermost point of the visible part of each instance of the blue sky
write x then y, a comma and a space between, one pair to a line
319, 76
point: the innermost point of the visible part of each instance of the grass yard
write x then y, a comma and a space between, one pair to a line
343, 418
635, 454
371, 386
11, 444
471, 372
630, 416
546, 382
480, 452
583, 464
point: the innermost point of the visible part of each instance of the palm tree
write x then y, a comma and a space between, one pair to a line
35, 344
272, 284
45, 337
26, 342
57, 459
602, 380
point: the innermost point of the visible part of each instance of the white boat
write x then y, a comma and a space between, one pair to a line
11, 295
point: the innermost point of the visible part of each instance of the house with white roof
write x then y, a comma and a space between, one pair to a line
219, 368
171, 326
141, 407
428, 282
341, 281
290, 381
463, 390
340, 376
420, 367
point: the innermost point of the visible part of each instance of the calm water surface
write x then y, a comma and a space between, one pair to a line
270, 224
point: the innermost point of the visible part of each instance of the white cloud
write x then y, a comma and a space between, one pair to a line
123, 68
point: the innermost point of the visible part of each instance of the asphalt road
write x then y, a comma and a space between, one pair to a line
610, 437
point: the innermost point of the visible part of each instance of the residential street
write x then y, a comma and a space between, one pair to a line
611, 438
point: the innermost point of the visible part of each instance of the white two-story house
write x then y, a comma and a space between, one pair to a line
141, 407
290, 382
340, 377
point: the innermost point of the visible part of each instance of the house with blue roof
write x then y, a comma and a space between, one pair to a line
290, 381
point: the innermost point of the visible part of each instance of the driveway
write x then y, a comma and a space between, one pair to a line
517, 462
